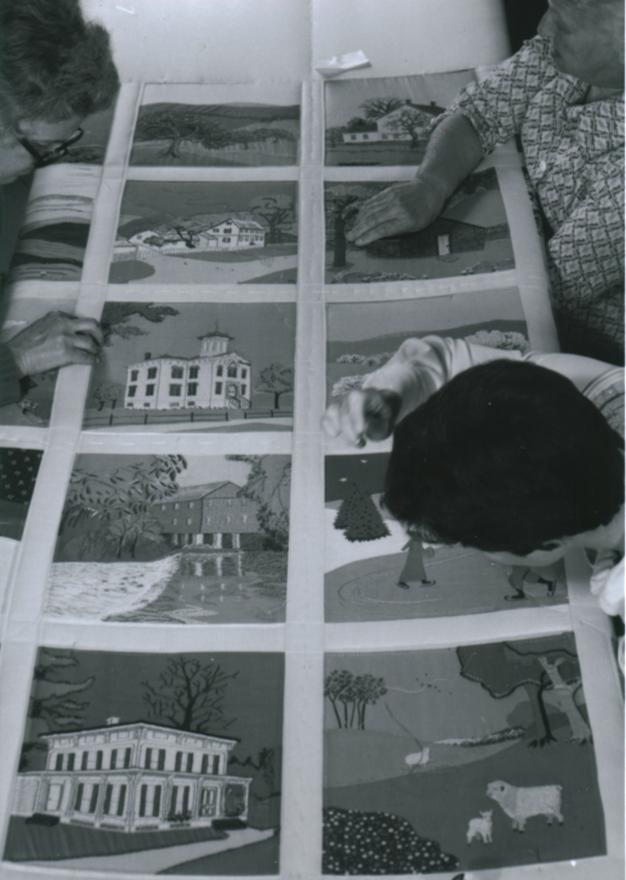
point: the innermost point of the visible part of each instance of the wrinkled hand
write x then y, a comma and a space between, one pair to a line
362, 415
54, 341
404, 207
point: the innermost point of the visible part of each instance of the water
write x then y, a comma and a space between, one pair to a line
248, 587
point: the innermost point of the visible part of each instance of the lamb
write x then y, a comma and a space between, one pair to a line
417, 759
481, 826
520, 803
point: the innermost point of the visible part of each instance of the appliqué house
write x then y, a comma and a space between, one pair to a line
134, 777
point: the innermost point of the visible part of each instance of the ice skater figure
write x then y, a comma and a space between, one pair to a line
520, 575
413, 572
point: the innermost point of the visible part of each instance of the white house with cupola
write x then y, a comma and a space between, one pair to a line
216, 378
134, 777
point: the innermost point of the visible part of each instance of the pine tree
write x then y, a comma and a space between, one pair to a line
358, 516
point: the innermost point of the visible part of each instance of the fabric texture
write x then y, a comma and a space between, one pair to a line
574, 153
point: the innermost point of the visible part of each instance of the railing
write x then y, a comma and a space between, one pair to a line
161, 417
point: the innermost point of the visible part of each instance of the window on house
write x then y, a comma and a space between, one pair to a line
58, 762
99, 760
127, 756
220, 370
93, 800
108, 798
218, 387
244, 372
148, 759
132, 390
113, 759
226, 240
150, 390
244, 389
173, 798
189, 762
205, 764
192, 388
178, 761
156, 803
71, 759
84, 759
78, 798
161, 760
177, 372
232, 371
121, 800
193, 372
152, 372
134, 375
192, 504
216, 765
143, 795
176, 390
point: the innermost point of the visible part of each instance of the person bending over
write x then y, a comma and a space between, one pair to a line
562, 93
519, 456
55, 69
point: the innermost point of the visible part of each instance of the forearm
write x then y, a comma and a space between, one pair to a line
10, 390
422, 366
453, 151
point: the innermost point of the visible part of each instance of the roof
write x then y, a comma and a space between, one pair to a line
241, 224
166, 727
202, 491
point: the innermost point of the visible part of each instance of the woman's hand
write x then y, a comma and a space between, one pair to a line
359, 416
404, 207
56, 340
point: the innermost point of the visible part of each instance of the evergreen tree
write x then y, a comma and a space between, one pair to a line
359, 517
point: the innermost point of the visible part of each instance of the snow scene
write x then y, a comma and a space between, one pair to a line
173, 539
150, 764
375, 572
386, 120
362, 337
470, 237
472, 758
217, 233
194, 367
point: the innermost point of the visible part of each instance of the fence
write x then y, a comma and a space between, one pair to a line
160, 417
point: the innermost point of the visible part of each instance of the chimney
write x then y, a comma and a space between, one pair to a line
112, 721
147, 356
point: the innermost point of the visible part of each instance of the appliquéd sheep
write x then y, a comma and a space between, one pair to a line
481, 826
520, 803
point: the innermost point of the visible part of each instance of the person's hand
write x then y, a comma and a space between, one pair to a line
359, 416
404, 207
56, 340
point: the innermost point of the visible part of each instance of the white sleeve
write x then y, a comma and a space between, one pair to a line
421, 366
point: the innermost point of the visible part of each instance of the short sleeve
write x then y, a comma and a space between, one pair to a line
497, 105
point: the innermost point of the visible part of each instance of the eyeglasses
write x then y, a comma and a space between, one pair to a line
49, 156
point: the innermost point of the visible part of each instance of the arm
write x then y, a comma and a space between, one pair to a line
453, 151
484, 114
10, 390
54, 341
418, 369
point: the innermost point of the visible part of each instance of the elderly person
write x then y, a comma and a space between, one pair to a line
55, 69
562, 93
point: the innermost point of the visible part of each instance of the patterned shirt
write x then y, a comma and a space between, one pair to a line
574, 153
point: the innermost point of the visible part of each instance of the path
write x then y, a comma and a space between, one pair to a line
153, 861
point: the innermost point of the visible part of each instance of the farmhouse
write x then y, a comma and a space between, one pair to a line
134, 777
405, 123
214, 515
215, 379
207, 232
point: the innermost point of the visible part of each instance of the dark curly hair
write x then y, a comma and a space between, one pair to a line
53, 64
506, 457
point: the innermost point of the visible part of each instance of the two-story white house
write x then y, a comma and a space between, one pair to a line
215, 379
405, 123
134, 777
211, 233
